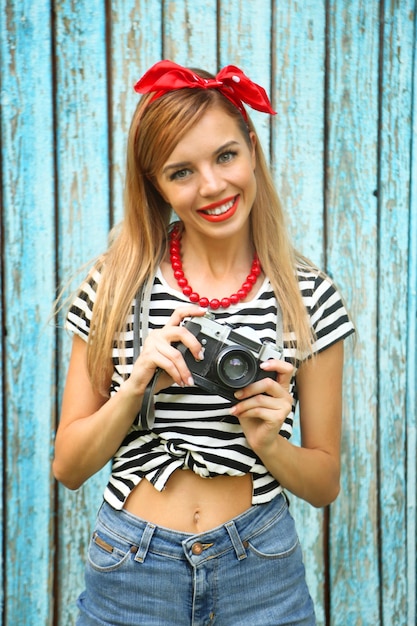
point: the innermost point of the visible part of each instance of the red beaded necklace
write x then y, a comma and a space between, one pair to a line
187, 290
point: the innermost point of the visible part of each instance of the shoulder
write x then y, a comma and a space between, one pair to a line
80, 311
88, 289
329, 318
315, 285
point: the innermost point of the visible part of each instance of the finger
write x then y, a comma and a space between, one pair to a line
285, 370
159, 351
173, 373
185, 336
181, 312
263, 407
263, 401
264, 386
174, 336
169, 359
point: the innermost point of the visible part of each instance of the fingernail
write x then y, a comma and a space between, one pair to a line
238, 394
200, 355
190, 381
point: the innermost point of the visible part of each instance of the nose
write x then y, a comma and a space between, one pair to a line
211, 182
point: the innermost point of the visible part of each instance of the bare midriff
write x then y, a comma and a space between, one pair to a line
190, 503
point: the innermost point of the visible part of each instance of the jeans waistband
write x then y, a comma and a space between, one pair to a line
196, 548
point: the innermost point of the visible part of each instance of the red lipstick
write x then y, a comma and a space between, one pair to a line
233, 201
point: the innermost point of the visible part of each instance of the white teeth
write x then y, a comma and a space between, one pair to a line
220, 209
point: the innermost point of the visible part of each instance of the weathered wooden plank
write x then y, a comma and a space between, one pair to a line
352, 228
83, 213
298, 141
3, 396
409, 567
397, 31
246, 42
136, 43
28, 261
298, 163
190, 33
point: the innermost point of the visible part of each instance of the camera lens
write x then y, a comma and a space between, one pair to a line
236, 367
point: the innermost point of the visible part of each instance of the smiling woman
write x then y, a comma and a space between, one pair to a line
208, 179
204, 481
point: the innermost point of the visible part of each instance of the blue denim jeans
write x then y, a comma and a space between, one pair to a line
247, 571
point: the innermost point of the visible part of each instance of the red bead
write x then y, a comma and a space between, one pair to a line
187, 290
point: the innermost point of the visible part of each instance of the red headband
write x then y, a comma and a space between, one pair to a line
166, 76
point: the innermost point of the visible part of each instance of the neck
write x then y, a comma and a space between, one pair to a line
217, 256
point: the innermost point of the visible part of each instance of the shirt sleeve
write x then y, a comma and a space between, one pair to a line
78, 320
328, 316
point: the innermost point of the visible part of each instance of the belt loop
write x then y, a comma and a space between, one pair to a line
236, 540
145, 543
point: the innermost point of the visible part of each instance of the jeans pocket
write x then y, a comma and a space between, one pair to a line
277, 540
108, 552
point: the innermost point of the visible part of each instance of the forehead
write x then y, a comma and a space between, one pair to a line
212, 130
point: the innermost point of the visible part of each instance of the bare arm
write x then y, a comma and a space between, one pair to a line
92, 427
311, 471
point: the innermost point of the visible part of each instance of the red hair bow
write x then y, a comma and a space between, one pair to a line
166, 76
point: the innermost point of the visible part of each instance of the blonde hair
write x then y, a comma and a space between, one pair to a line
139, 243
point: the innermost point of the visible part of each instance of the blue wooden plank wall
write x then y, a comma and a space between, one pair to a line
343, 149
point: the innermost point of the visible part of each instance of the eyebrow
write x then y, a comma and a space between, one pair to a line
182, 164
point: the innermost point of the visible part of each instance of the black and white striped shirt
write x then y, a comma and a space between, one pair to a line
193, 429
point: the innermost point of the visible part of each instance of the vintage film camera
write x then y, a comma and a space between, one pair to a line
231, 357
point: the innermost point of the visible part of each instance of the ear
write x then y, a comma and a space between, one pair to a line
253, 139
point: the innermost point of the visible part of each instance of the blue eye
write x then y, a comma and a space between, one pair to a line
180, 174
225, 157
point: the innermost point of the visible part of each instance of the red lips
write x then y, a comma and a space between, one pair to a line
212, 217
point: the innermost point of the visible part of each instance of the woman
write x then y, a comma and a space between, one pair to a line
195, 526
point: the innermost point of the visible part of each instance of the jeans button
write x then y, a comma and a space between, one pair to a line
197, 548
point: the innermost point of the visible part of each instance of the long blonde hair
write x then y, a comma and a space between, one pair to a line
139, 243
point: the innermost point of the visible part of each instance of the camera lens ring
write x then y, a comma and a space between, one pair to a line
236, 366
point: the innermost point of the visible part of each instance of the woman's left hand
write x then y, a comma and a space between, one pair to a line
264, 405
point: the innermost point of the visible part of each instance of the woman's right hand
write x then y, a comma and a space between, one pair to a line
92, 427
159, 351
